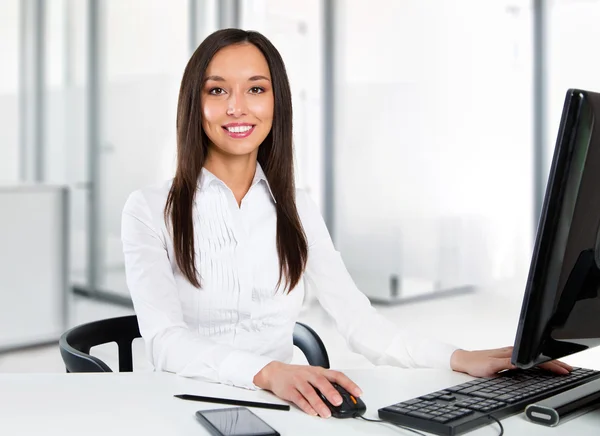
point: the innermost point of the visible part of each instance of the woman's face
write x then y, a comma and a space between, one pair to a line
237, 100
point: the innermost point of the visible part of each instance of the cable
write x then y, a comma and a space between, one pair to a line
421, 434
499, 423
388, 422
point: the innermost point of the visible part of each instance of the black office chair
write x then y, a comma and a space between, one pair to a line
75, 344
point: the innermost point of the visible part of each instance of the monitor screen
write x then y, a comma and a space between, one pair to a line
560, 314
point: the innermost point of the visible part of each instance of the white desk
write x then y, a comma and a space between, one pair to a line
143, 404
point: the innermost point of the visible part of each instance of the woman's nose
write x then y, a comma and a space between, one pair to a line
237, 105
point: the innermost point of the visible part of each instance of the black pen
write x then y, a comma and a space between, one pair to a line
233, 402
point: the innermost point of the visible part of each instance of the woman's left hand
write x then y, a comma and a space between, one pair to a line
486, 363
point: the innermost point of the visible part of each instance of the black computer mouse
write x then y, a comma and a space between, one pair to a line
351, 406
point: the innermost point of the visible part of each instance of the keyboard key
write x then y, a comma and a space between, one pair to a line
413, 401
485, 394
460, 387
484, 407
418, 414
471, 389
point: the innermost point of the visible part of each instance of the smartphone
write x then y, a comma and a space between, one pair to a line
234, 421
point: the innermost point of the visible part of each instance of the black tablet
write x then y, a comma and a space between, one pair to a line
234, 421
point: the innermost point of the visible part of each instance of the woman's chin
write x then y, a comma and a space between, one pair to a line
239, 149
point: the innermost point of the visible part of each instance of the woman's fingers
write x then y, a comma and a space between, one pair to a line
299, 384
298, 399
554, 367
497, 364
309, 393
343, 380
486, 363
321, 383
564, 365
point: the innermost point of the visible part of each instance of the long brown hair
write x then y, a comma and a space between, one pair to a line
275, 156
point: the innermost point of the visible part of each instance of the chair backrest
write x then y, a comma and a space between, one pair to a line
75, 344
311, 345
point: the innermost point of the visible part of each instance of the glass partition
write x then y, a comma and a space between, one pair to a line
10, 28
433, 146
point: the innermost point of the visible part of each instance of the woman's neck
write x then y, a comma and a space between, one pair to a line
236, 172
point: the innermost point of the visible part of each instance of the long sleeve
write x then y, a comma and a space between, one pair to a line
366, 331
170, 343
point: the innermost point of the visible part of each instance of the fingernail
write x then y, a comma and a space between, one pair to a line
337, 400
358, 392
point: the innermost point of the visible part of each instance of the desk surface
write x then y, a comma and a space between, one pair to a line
143, 404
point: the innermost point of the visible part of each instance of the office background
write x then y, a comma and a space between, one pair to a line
423, 128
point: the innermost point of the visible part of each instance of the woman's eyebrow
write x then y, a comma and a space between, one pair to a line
255, 78
215, 78
251, 79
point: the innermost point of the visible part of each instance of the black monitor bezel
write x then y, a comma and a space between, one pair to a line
526, 351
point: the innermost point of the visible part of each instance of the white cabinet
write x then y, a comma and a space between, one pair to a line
33, 264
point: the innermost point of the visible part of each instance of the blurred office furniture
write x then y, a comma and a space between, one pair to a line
418, 257
34, 266
75, 344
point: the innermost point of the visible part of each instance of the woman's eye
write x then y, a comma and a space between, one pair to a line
256, 90
216, 91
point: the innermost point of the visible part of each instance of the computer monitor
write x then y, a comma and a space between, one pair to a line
560, 314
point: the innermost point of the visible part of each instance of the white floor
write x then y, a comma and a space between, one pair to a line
484, 319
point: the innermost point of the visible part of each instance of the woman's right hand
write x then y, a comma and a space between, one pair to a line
297, 383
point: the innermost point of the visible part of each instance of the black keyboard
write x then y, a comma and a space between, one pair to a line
464, 407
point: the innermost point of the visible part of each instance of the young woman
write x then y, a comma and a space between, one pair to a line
217, 259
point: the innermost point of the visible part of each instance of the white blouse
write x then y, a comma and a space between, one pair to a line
237, 323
